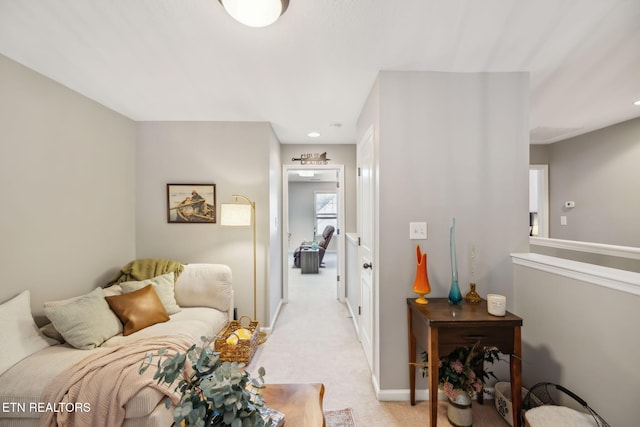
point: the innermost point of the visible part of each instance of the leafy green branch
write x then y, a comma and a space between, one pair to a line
213, 393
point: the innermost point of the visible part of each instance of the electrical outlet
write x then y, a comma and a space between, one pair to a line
417, 230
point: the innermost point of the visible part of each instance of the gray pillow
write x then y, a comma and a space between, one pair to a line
164, 287
85, 322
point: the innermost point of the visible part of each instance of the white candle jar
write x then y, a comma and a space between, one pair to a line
497, 304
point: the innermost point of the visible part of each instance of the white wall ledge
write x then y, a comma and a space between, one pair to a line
596, 248
612, 278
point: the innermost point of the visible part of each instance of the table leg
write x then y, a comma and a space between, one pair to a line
516, 377
434, 359
412, 358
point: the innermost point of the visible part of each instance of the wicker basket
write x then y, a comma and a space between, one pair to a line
547, 394
243, 351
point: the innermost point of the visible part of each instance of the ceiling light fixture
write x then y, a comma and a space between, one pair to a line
255, 13
313, 134
637, 103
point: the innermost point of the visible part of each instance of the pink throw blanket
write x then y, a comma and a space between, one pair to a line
99, 386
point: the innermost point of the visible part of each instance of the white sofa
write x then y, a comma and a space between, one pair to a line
205, 297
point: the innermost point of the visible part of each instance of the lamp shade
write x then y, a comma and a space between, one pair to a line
235, 214
255, 13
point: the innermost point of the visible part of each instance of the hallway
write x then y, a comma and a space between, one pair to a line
314, 341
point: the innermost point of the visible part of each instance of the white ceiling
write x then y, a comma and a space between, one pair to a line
188, 60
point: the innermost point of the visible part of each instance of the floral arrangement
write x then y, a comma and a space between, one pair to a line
213, 393
462, 370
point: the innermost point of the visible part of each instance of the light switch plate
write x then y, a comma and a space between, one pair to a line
417, 230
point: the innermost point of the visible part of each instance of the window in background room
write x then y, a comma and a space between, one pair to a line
326, 209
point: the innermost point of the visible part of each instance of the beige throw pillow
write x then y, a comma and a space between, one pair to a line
85, 322
164, 287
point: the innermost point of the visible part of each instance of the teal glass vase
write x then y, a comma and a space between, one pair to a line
455, 297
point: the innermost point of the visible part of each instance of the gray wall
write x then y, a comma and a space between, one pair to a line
539, 154
448, 145
274, 253
67, 208
581, 336
599, 171
620, 263
240, 158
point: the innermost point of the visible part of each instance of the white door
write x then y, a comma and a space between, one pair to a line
365, 232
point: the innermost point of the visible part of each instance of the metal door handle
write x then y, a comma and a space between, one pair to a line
367, 265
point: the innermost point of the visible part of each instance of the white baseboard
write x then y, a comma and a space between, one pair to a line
274, 319
404, 395
489, 393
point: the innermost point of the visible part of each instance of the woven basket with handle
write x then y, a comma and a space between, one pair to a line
243, 350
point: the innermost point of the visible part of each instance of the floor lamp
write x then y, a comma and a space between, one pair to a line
243, 215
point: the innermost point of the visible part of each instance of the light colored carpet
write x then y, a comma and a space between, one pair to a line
314, 341
339, 418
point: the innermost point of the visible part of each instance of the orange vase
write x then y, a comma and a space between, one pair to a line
421, 285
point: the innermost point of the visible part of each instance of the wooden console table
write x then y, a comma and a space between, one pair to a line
440, 327
300, 403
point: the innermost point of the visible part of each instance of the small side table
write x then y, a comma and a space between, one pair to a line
309, 260
440, 327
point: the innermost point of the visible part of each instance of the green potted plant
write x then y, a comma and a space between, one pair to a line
461, 374
213, 393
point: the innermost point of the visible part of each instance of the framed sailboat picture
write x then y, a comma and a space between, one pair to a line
191, 203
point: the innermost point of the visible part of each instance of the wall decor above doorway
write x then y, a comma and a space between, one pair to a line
312, 159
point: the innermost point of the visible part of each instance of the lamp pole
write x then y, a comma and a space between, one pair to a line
253, 226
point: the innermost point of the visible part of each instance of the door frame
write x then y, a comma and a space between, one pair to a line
542, 185
339, 234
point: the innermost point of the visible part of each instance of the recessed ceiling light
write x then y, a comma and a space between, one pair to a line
306, 173
313, 134
637, 103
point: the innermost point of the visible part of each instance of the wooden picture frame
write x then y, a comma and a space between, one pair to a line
191, 203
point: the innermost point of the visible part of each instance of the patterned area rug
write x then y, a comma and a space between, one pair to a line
339, 418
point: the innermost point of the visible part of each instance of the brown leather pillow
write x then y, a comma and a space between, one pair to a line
138, 309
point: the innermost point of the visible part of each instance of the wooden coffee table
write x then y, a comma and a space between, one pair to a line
300, 403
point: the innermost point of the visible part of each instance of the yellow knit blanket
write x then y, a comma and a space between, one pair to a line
147, 268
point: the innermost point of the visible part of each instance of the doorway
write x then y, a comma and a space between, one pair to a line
319, 182
539, 201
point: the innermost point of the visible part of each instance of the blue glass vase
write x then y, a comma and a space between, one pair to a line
455, 297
